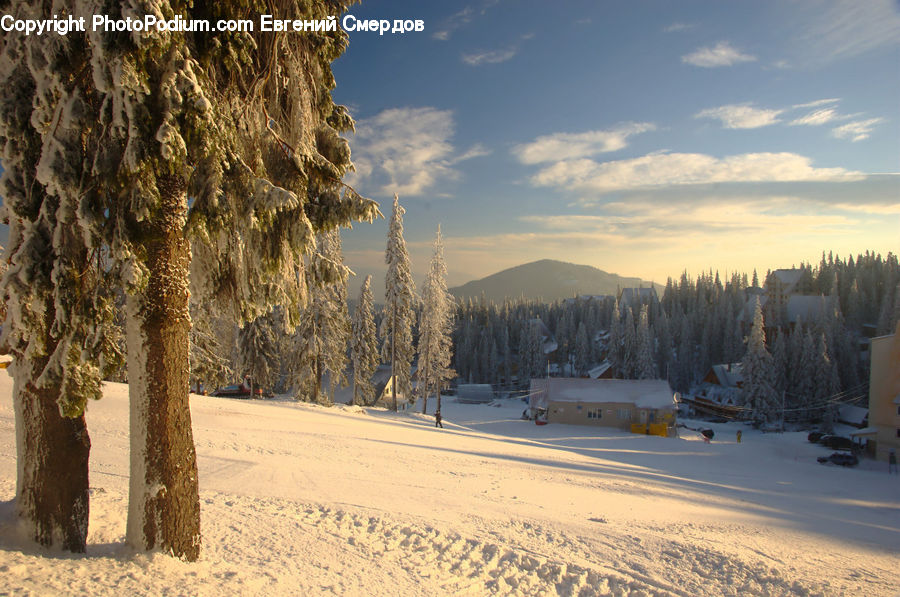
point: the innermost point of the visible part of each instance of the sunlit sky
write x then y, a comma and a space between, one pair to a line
643, 138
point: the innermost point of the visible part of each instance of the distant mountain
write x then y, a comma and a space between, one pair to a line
548, 280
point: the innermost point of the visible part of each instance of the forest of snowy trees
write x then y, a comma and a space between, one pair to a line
698, 322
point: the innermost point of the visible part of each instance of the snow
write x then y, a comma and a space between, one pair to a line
643, 393
305, 500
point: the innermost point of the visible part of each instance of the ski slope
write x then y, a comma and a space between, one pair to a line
304, 500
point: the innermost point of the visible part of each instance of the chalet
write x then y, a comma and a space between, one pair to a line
548, 340
601, 371
883, 432
638, 296
617, 403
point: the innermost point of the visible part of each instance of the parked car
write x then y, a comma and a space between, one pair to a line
839, 458
837, 442
243, 390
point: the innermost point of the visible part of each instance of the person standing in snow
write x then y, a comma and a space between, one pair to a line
892, 462
739, 436
437, 420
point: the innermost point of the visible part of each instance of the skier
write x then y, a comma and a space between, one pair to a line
437, 420
892, 462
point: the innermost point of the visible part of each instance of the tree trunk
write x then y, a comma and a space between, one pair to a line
52, 491
164, 501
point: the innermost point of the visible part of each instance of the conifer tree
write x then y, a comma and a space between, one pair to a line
259, 348
629, 345
582, 350
364, 346
757, 371
58, 308
245, 127
615, 353
435, 346
645, 367
323, 330
399, 301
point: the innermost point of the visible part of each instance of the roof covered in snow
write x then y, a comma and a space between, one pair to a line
788, 277
806, 308
644, 393
599, 370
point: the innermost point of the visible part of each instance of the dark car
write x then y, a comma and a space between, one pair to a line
814, 437
839, 458
837, 442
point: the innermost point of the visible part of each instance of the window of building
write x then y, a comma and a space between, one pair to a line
624, 414
595, 413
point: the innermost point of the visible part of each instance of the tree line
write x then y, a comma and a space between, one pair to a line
698, 322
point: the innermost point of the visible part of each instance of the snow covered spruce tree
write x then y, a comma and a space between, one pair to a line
58, 323
399, 300
645, 364
758, 373
435, 345
260, 344
364, 346
244, 125
320, 341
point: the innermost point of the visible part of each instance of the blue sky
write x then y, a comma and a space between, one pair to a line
643, 138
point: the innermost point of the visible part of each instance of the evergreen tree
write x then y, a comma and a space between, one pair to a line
58, 308
323, 330
804, 388
629, 345
399, 300
615, 354
259, 345
582, 350
434, 332
364, 346
645, 365
757, 371
210, 365
263, 171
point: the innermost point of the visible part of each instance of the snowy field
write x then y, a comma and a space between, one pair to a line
302, 500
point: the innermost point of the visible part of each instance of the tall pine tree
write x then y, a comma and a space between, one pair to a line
364, 346
758, 373
399, 300
435, 346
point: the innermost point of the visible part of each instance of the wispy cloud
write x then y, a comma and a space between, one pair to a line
818, 103
847, 28
722, 54
857, 130
480, 57
566, 146
658, 170
676, 27
741, 116
490, 56
407, 151
459, 19
816, 117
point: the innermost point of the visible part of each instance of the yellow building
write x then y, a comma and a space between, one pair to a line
883, 432
618, 403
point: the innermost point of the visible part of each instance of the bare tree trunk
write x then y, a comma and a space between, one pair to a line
164, 501
52, 489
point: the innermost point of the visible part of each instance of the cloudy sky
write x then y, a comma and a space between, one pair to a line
644, 138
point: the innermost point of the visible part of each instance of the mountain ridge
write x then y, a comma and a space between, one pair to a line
549, 280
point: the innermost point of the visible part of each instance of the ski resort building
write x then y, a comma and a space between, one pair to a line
883, 432
646, 405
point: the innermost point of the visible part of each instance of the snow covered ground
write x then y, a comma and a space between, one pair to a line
303, 500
